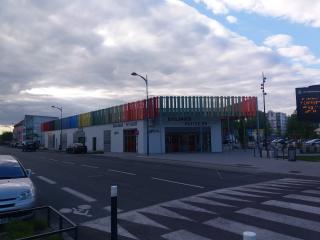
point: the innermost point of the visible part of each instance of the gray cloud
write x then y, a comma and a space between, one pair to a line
93, 46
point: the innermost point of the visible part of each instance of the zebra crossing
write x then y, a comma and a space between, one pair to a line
282, 209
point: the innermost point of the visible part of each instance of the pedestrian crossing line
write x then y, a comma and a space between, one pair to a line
222, 197
316, 192
303, 198
278, 186
104, 224
264, 187
233, 192
108, 208
158, 210
300, 180
290, 183
286, 184
139, 218
182, 205
183, 235
281, 218
293, 206
255, 190
239, 228
196, 199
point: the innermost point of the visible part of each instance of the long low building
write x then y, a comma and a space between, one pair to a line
176, 124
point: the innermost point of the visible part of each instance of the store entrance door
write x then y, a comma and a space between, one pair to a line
130, 140
188, 140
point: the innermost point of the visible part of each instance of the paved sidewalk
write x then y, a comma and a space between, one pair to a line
235, 160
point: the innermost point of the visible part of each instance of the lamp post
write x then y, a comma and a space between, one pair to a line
60, 109
147, 106
264, 112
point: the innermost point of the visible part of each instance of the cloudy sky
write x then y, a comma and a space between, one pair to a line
79, 54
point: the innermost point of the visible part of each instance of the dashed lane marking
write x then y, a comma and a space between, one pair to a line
89, 166
47, 180
117, 171
175, 182
79, 194
71, 163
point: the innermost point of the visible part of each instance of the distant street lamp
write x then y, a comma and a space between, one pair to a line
147, 106
60, 109
264, 112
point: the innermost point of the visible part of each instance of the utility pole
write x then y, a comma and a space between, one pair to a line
264, 112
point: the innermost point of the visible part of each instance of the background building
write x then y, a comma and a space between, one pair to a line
176, 124
30, 128
278, 122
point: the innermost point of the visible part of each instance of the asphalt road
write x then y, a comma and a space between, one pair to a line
79, 187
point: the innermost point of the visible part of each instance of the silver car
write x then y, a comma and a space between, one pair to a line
17, 191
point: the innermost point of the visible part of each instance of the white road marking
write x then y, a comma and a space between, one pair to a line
303, 198
158, 210
104, 224
47, 180
196, 199
233, 192
78, 194
182, 205
293, 206
89, 166
278, 185
139, 218
265, 187
71, 163
239, 228
281, 218
181, 183
183, 235
117, 171
300, 180
219, 174
223, 197
312, 192
246, 189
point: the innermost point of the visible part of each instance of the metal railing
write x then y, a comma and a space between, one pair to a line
63, 226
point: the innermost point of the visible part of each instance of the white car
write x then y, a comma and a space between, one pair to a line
17, 191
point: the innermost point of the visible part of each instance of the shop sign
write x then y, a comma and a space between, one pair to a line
130, 124
195, 124
115, 125
179, 119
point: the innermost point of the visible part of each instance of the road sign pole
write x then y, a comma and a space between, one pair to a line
114, 212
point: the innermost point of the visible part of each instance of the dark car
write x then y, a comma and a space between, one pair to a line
77, 148
29, 146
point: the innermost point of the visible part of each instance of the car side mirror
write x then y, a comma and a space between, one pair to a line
28, 172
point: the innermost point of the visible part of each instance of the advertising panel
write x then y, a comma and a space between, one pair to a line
308, 103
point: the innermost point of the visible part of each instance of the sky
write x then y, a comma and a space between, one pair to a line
79, 54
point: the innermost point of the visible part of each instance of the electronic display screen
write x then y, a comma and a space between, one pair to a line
308, 103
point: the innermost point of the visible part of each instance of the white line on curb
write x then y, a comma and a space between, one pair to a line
112, 170
47, 180
88, 166
79, 194
170, 181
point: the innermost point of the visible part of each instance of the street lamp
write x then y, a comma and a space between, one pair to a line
264, 112
60, 109
147, 106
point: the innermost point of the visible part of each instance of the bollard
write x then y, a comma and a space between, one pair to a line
249, 236
114, 213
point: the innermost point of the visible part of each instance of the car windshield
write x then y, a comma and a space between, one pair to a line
11, 169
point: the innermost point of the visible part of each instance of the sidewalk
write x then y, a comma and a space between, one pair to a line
235, 160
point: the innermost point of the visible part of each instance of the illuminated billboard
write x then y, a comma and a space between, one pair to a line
308, 103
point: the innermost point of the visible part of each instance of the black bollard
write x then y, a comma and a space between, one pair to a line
114, 213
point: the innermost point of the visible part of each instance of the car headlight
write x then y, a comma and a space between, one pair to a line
25, 195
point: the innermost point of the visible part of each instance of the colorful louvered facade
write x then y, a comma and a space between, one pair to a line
206, 106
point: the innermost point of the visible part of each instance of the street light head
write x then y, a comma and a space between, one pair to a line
134, 74
53, 106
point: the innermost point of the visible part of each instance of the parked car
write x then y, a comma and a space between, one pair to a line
312, 142
17, 191
77, 148
29, 146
